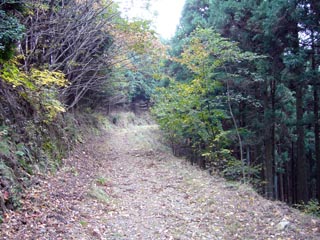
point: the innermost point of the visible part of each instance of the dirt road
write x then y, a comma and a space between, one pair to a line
126, 185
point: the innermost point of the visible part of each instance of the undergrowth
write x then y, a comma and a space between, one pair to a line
312, 207
33, 142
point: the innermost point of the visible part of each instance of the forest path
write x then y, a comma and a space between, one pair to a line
126, 185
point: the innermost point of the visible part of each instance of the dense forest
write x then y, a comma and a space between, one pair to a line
245, 99
236, 90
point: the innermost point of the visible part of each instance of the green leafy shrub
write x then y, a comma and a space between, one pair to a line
312, 207
234, 169
38, 87
193, 114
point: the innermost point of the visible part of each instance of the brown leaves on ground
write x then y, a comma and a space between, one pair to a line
126, 185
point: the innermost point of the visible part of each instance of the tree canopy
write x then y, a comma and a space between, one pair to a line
271, 101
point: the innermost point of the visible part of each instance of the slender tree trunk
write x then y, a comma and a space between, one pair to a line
281, 175
316, 130
292, 177
268, 160
248, 159
299, 86
315, 111
269, 188
238, 134
288, 185
317, 139
301, 168
273, 138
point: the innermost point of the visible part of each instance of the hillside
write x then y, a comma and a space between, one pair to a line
125, 184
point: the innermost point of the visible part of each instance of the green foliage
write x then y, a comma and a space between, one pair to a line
11, 74
83, 223
38, 147
98, 193
46, 78
38, 87
33, 134
4, 143
195, 112
9, 154
206, 51
274, 99
185, 114
11, 30
35, 131
194, 15
312, 207
101, 181
234, 170
6, 172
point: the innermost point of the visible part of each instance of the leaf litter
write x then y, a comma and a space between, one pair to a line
125, 184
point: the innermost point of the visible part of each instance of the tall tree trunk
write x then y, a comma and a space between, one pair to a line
292, 178
301, 167
268, 161
238, 134
299, 86
273, 133
316, 135
316, 117
315, 7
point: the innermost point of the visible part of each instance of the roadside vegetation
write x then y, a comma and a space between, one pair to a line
235, 91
